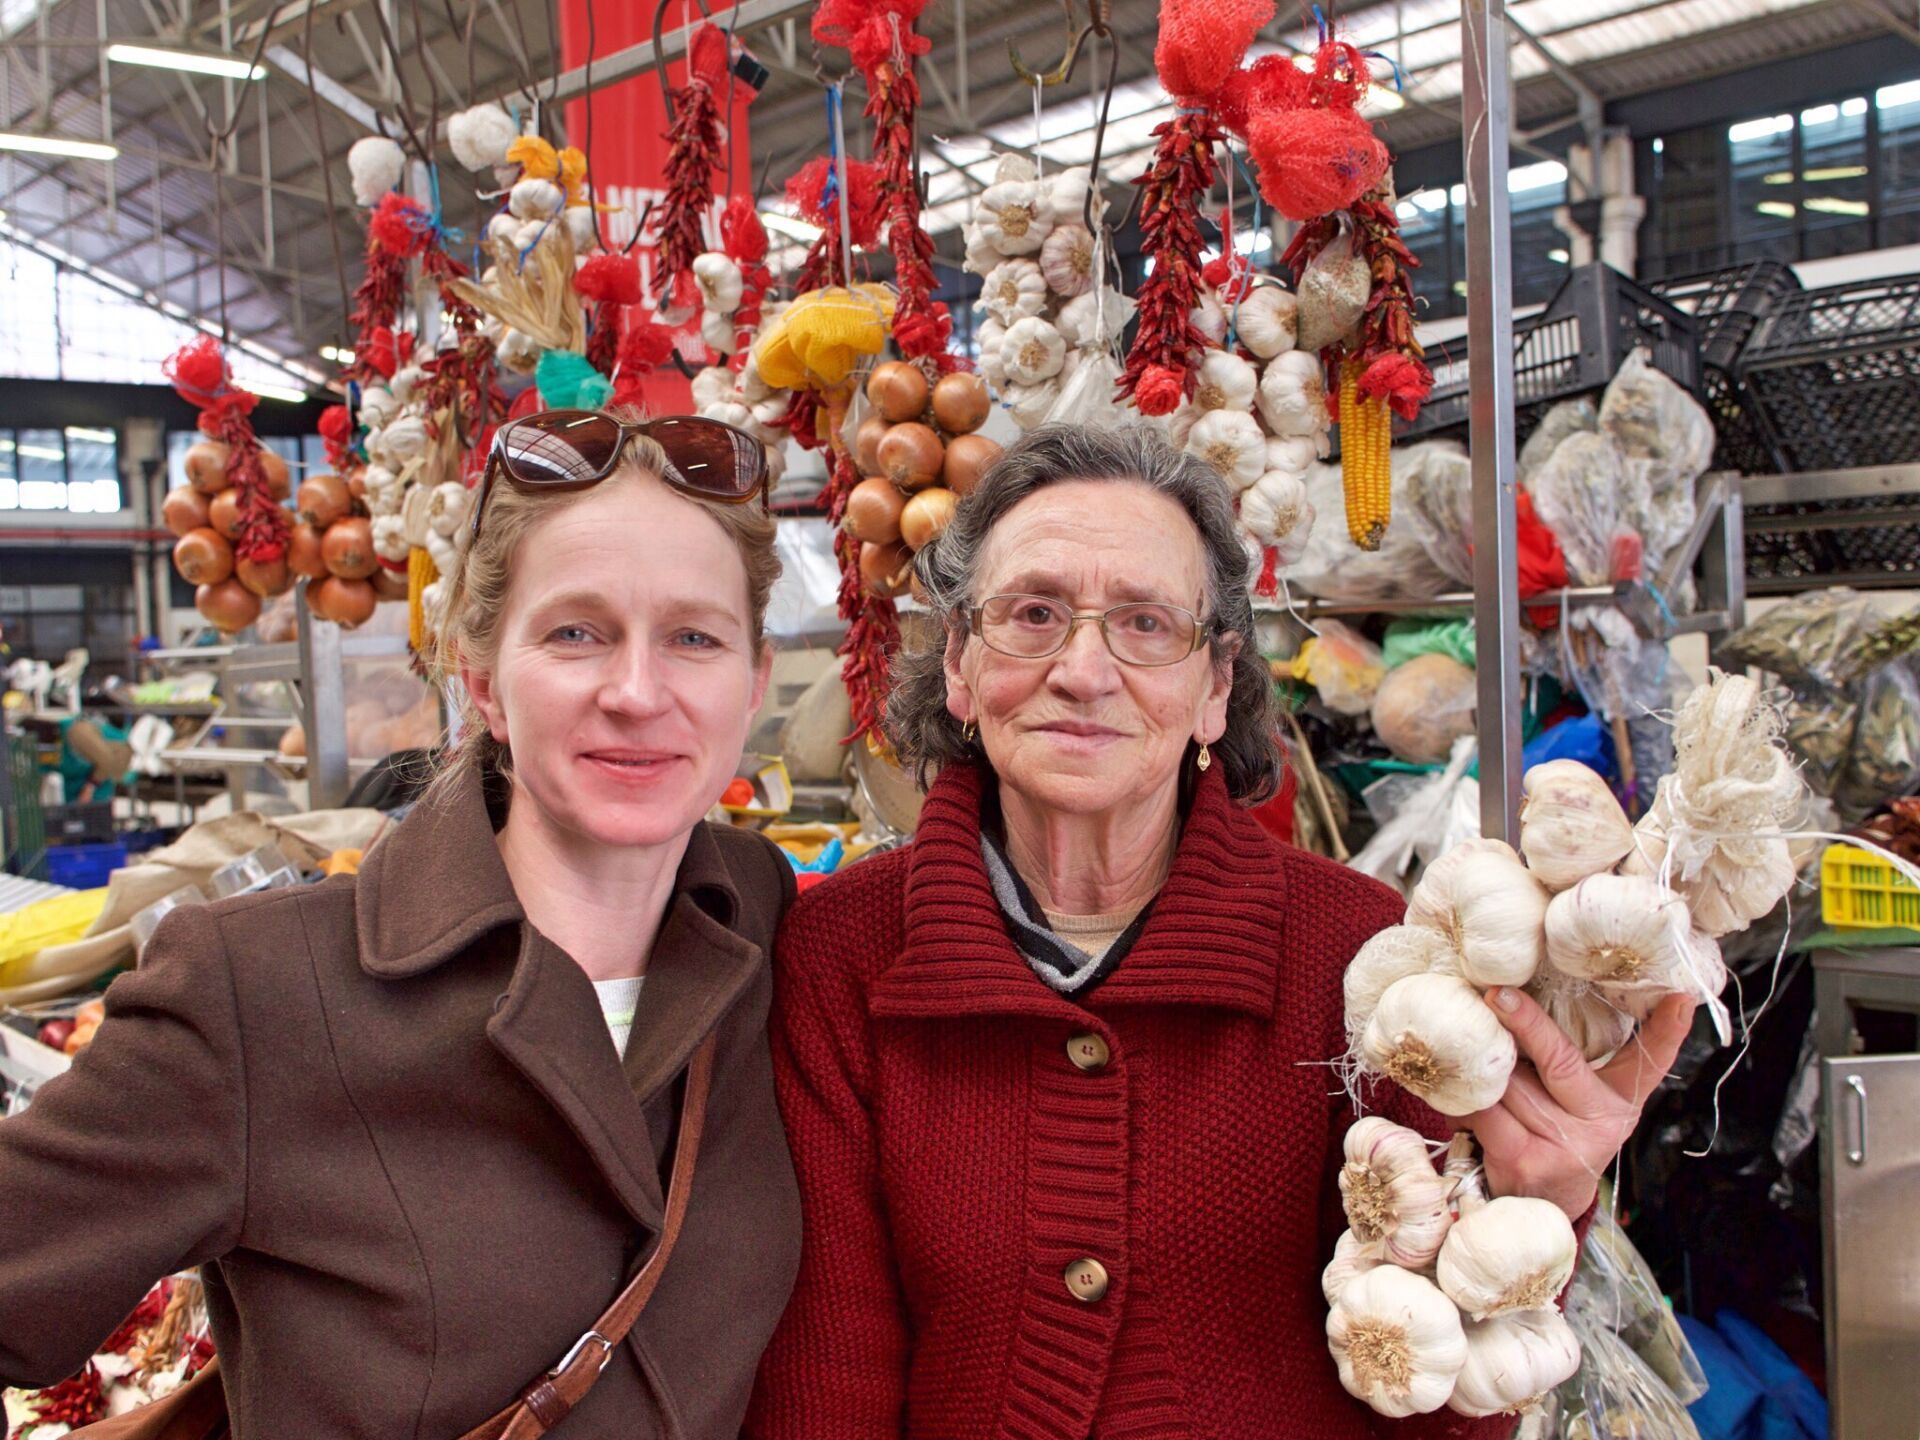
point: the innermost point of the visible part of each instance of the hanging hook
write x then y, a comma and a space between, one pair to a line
1101, 25
1058, 75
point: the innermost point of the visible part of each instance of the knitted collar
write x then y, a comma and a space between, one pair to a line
1213, 938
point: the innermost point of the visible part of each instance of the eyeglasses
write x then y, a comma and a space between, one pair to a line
1032, 627
573, 449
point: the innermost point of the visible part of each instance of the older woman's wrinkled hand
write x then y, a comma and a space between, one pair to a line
1561, 1122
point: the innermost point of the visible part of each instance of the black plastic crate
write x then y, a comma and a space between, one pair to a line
90, 823
1595, 320
1728, 305
1834, 375
1871, 541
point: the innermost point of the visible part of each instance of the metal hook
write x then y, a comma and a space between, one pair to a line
1099, 25
1058, 75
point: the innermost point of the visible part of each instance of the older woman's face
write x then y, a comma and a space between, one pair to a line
1080, 731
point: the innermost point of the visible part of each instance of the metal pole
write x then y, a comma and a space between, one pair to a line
323, 706
1486, 128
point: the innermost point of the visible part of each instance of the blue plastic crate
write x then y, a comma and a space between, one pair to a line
84, 867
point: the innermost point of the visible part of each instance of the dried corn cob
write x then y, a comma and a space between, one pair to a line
1366, 436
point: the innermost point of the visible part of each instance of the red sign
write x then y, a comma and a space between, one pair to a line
623, 131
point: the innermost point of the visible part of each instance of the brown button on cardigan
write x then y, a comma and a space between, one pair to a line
385, 1114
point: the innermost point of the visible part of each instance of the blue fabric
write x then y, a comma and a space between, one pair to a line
1586, 738
1728, 1410
1789, 1393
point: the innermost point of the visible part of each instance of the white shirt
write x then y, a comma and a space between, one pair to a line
619, 1000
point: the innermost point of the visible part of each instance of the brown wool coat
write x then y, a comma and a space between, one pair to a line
386, 1115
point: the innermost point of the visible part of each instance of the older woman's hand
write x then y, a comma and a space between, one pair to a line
1561, 1122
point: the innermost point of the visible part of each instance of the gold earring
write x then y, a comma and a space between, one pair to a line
1204, 758
967, 732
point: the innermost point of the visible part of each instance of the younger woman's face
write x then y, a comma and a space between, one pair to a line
626, 679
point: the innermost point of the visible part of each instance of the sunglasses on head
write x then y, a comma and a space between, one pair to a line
573, 449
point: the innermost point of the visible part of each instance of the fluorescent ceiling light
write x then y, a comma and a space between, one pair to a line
1559, 257
339, 354
274, 392
1779, 209
1759, 129
57, 145
1834, 205
786, 225
193, 61
40, 452
81, 432
1382, 101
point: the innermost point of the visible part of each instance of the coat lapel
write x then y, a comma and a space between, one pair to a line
958, 959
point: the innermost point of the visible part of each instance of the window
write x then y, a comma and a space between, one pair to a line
1433, 222
76, 470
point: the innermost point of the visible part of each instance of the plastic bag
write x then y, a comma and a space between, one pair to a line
1334, 568
1569, 417
1422, 822
1343, 665
1615, 1395
1666, 441
1423, 707
1333, 293
1409, 639
1885, 759
1587, 497
1810, 637
1438, 505
1616, 1291
1086, 396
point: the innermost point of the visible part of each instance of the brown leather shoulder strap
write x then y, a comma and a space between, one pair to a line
549, 1400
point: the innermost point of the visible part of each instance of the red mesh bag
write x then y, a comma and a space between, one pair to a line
609, 276
645, 345
1273, 82
741, 232
1401, 380
839, 22
1313, 162
708, 59
1340, 77
1202, 41
807, 192
400, 226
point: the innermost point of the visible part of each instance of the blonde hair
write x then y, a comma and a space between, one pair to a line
478, 590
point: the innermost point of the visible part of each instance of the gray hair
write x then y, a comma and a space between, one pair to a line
924, 732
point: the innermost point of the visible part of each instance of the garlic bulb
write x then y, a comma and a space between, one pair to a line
1727, 892
1013, 166
1067, 197
1231, 442
480, 136
1512, 1253
1295, 455
711, 384
720, 282
518, 351
1596, 1024
1351, 1257
1434, 1037
1622, 930
1293, 396
1014, 290
402, 438
1432, 899
1095, 316
717, 332
404, 381
503, 226
447, 507
414, 514
1491, 908
1226, 383
1274, 507
1512, 1361
1066, 259
1029, 404
535, 199
1178, 426
988, 336
729, 412
1392, 954
1013, 216
1392, 1194
981, 257
1209, 317
1570, 824
1264, 320
753, 386
375, 165
378, 405
1398, 1341
1032, 351
582, 229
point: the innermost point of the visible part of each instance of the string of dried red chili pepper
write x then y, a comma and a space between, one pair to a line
1164, 363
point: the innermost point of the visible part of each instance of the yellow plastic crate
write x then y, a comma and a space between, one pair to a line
1860, 891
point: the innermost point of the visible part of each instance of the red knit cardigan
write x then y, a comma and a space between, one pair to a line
953, 1161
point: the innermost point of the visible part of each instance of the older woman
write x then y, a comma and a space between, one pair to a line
1054, 1075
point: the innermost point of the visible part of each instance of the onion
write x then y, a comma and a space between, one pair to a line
203, 557
968, 458
294, 740
873, 512
207, 466
322, 500
389, 583
304, 556
961, 403
911, 456
348, 549
264, 577
926, 515
887, 569
343, 601
183, 510
227, 606
866, 444
897, 390
224, 513
357, 484
279, 479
